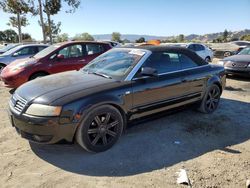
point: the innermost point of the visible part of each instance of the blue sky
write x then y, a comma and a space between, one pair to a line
151, 17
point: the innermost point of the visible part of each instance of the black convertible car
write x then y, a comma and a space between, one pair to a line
93, 105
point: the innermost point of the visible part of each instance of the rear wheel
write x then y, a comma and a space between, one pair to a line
226, 54
100, 129
37, 75
211, 99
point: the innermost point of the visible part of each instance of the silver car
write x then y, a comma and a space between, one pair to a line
20, 52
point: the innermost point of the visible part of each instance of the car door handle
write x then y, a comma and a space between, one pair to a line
82, 60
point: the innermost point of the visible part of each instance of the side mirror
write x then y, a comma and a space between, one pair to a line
60, 56
15, 54
148, 71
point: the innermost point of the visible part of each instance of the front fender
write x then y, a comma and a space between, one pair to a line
75, 111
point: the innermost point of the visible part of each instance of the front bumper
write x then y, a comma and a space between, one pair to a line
13, 82
45, 130
238, 71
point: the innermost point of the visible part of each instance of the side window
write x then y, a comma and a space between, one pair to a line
40, 48
186, 62
199, 47
26, 51
163, 62
94, 49
71, 51
191, 47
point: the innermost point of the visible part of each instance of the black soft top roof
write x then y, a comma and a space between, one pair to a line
175, 49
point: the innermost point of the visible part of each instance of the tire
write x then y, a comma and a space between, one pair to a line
226, 54
37, 75
100, 129
210, 100
208, 59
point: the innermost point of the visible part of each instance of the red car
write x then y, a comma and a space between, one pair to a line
56, 58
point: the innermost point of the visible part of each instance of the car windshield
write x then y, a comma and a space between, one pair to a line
8, 47
46, 51
12, 50
116, 63
245, 51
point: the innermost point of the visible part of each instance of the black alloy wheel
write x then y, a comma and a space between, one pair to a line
103, 129
211, 99
100, 130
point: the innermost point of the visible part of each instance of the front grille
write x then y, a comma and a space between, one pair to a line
18, 103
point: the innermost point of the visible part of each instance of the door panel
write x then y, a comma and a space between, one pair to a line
152, 94
194, 81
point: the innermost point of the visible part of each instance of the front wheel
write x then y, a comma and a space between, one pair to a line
100, 129
210, 100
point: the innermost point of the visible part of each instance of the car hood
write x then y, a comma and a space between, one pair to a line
27, 60
3, 57
50, 88
238, 58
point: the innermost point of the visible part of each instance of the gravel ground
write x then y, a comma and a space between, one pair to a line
214, 149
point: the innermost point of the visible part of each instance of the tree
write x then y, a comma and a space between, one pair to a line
245, 37
225, 35
84, 36
181, 38
50, 8
40, 12
116, 36
11, 36
63, 37
2, 36
26, 37
140, 40
18, 8
52, 30
126, 41
14, 22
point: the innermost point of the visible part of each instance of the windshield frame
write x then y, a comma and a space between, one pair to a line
56, 46
125, 76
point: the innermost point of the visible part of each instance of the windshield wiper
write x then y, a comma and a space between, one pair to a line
101, 74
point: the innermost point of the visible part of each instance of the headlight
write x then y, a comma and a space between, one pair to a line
248, 65
43, 110
22, 65
221, 63
18, 67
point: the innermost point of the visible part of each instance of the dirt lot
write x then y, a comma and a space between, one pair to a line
214, 149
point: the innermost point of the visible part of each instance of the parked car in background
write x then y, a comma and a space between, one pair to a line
222, 50
56, 58
20, 52
241, 44
200, 49
238, 64
93, 105
8, 47
112, 43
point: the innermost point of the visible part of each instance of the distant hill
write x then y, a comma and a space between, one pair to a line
203, 38
130, 37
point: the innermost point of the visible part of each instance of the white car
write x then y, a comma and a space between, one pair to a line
200, 49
